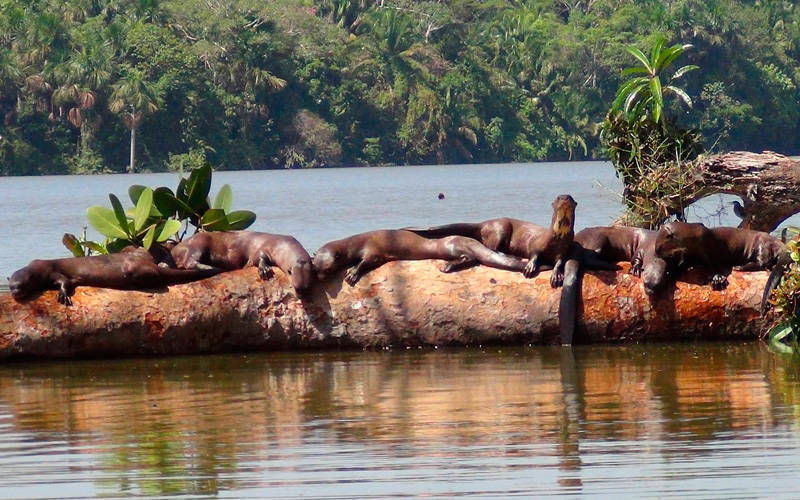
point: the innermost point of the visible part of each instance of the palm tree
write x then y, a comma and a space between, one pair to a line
641, 92
133, 97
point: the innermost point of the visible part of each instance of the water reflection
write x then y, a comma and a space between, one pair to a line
512, 421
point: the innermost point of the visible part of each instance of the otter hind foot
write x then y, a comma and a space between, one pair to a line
719, 282
63, 298
265, 272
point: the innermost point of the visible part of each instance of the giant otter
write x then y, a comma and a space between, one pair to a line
522, 239
597, 245
232, 250
367, 251
132, 269
720, 249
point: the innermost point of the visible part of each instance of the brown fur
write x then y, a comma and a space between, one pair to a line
132, 269
232, 250
367, 251
522, 239
720, 249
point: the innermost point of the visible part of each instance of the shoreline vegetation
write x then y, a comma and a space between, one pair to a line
312, 83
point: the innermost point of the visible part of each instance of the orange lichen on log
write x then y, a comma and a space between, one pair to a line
399, 304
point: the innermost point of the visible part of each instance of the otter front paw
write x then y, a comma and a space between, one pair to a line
556, 279
531, 270
447, 267
636, 268
719, 282
265, 272
351, 277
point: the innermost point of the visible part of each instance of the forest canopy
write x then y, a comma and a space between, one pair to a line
247, 84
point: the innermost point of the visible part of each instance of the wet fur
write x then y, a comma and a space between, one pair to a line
230, 250
522, 239
598, 246
720, 249
131, 269
366, 251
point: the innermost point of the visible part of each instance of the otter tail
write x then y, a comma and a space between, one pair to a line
778, 270
468, 229
178, 276
570, 294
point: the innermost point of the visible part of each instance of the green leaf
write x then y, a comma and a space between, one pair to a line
655, 52
117, 245
119, 213
105, 221
197, 188
685, 69
135, 191
224, 198
632, 97
142, 211
658, 99
680, 93
638, 54
167, 229
795, 256
240, 219
164, 200
73, 244
97, 247
214, 219
780, 331
634, 71
149, 236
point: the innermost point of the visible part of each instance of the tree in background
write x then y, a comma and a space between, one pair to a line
648, 149
132, 98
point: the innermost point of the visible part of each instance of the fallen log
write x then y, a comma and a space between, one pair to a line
400, 304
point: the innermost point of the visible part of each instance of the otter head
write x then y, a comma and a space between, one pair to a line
26, 282
564, 215
327, 261
654, 275
301, 274
675, 239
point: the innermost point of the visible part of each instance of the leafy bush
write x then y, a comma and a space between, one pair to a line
785, 301
158, 215
650, 153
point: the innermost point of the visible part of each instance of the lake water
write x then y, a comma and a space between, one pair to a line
709, 420
685, 420
316, 206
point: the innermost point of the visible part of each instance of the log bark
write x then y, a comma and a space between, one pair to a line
400, 304
768, 184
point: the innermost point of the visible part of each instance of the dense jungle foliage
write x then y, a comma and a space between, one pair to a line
304, 83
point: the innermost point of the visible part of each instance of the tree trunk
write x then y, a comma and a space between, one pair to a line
768, 184
399, 304
133, 149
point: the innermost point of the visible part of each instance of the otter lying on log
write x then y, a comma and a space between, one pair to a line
720, 249
522, 239
611, 245
367, 251
399, 304
231, 250
132, 269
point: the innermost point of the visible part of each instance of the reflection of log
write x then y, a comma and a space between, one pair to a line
399, 304
768, 183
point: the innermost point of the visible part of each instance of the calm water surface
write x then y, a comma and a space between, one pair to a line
709, 420
317, 206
